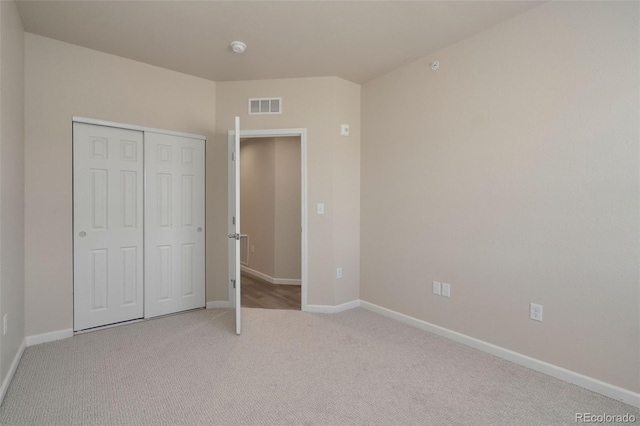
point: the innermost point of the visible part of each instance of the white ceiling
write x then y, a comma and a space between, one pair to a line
355, 40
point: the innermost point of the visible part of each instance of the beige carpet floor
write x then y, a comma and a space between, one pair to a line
288, 367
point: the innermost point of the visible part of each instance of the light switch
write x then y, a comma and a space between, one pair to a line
320, 208
344, 130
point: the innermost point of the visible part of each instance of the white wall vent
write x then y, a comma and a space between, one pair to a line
265, 106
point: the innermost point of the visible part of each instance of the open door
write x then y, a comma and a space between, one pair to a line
234, 222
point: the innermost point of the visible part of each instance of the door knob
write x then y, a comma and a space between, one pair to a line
83, 234
199, 228
237, 236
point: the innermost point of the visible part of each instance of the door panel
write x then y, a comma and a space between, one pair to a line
174, 224
108, 238
235, 300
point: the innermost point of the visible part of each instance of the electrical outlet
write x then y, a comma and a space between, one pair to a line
320, 208
4, 324
437, 289
535, 312
344, 129
446, 290
339, 273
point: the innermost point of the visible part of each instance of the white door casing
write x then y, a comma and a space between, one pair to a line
174, 224
108, 225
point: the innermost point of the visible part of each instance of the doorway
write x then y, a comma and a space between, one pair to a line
273, 260
270, 201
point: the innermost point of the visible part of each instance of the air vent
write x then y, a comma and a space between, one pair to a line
265, 106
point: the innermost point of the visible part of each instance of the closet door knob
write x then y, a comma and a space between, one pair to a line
199, 228
83, 234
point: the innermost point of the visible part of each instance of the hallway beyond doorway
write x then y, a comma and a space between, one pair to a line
257, 293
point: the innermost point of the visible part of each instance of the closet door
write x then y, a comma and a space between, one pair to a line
174, 224
107, 225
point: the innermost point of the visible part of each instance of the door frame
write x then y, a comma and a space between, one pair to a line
274, 133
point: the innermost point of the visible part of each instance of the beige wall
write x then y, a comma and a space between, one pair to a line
63, 80
512, 173
319, 105
11, 183
270, 204
287, 208
257, 201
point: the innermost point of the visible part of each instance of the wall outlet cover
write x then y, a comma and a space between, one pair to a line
446, 290
535, 312
437, 289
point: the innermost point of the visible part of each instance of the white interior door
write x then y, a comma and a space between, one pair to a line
234, 223
174, 224
107, 225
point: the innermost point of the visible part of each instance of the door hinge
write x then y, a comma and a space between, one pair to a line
233, 221
233, 156
234, 283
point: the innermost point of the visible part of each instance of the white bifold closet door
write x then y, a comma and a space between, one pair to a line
174, 224
108, 225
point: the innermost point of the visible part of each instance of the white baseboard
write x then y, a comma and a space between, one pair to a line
49, 337
218, 304
12, 370
330, 309
594, 385
269, 279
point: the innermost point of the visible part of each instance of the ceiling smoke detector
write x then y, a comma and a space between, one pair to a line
238, 46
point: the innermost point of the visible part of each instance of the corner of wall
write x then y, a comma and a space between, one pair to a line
11, 189
346, 185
